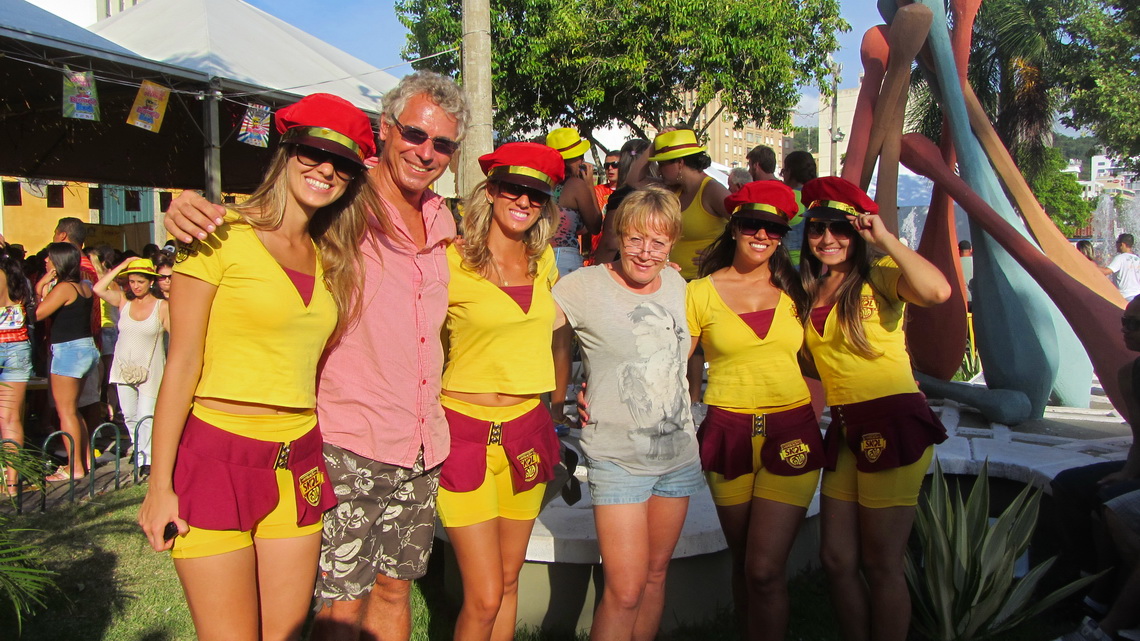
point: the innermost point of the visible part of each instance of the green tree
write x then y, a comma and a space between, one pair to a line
1011, 69
593, 63
806, 139
1082, 148
1099, 54
1060, 194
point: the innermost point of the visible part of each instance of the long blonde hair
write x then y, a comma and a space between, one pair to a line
477, 224
337, 229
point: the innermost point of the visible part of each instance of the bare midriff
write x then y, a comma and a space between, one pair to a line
490, 399
247, 409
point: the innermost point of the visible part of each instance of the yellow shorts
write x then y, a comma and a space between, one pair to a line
496, 497
281, 523
897, 487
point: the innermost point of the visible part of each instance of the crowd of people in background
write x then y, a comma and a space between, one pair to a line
438, 360
60, 325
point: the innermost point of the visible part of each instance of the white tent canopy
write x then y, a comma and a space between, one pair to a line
233, 40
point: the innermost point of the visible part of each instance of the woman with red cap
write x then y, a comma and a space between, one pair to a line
140, 352
242, 508
760, 442
859, 278
498, 337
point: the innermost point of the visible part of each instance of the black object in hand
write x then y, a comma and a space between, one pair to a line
170, 531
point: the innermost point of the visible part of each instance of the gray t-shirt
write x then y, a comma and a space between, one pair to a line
634, 348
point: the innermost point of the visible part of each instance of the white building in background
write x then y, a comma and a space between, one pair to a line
1110, 175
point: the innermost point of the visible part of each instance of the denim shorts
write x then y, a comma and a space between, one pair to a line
74, 358
611, 484
15, 362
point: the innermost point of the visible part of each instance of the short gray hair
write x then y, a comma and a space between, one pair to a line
740, 176
441, 90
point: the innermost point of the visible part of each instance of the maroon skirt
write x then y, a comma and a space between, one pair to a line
529, 441
792, 442
229, 482
883, 433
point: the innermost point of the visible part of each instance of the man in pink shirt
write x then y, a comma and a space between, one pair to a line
378, 392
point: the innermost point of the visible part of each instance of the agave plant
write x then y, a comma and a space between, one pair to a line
962, 584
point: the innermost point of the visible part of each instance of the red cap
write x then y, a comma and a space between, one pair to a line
769, 200
330, 123
833, 198
525, 163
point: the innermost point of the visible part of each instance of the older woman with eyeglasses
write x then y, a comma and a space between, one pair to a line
859, 278
639, 441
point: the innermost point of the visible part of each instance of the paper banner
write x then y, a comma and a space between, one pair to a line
255, 126
79, 97
150, 105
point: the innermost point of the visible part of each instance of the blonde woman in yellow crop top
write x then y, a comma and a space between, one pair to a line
257, 302
498, 342
760, 442
882, 432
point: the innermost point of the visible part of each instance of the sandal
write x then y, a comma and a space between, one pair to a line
62, 474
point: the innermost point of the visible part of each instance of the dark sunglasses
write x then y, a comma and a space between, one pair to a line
610, 165
1130, 323
166, 277
514, 192
416, 136
839, 228
749, 227
308, 156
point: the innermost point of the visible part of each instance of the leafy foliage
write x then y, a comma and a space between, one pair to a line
1081, 148
962, 584
1060, 194
806, 139
24, 582
592, 63
1099, 50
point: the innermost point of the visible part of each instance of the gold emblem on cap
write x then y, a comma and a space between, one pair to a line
835, 204
762, 207
324, 133
519, 170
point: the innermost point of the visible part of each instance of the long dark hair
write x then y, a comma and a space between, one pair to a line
152, 287
19, 289
784, 277
847, 297
65, 257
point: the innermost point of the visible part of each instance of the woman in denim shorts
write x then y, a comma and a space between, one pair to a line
639, 440
68, 300
15, 354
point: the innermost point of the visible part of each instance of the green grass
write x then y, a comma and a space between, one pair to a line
113, 587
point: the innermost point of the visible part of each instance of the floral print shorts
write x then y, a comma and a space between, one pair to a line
383, 523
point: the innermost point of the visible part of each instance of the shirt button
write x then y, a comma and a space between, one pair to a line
423, 382
423, 339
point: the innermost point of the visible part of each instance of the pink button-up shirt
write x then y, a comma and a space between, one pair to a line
378, 393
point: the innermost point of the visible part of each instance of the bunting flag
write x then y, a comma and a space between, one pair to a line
255, 126
149, 107
80, 100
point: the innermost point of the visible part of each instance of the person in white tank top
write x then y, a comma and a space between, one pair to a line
140, 353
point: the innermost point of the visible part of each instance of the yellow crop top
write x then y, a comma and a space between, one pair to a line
262, 344
699, 228
491, 344
746, 372
849, 377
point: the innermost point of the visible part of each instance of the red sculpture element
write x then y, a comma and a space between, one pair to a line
873, 51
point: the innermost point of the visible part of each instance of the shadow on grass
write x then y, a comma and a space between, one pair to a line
88, 592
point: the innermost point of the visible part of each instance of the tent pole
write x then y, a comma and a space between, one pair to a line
213, 146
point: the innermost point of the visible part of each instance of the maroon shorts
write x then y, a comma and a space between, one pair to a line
228, 482
792, 442
530, 443
883, 433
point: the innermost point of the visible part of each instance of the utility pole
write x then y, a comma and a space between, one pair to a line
836, 135
476, 68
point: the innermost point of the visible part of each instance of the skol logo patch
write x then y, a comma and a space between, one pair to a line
185, 250
873, 445
795, 453
867, 307
309, 484
529, 460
